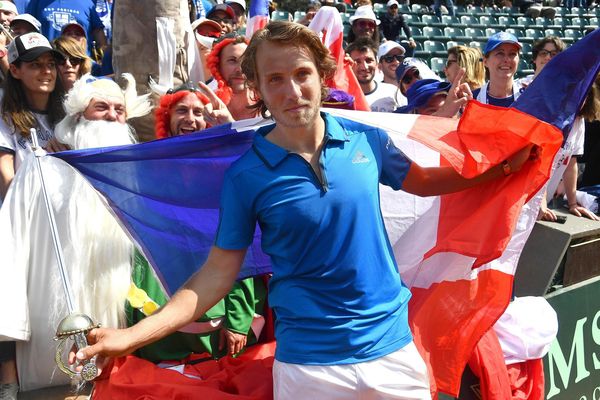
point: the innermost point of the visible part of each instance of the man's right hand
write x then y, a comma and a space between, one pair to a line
105, 342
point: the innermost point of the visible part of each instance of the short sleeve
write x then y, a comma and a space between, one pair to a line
7, 139
237, 220
394, 164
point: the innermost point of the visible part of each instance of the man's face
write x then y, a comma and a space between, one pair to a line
363, 28
112, 110
186, 116
502, 62
390, 62
410, 77
239, 12
21, 28
227, 24
364, 65
393, 10
289, 84
6, 17
433, 104
544, 56
230, 66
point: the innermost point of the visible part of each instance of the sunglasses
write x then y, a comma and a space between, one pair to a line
390, 59
74, 61
450, 62
186, 87
227, 21
545, 53
364, 24
408, 78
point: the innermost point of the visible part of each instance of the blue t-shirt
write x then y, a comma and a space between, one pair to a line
336, 291
495, 101
54, 14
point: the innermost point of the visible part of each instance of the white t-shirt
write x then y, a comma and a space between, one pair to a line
383, 98
573, 146
14, 143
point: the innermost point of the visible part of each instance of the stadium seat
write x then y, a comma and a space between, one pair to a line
452, 32
451, 20
412, 19
561, 11
281, 16
594, 21
418, 8
517, 32
435, 48
475, 10
469, 20
490, 10
433, 33
526, 49
404, 9
572, 34
378, 7
507, 21
479, 45
553, 32
437, 65
417, 33
472, 34
453, 43
544, 22
488, 21
525, 21
524, 68
559, 22
576, 11
578, 22
298, 15
431, 20
490, 31
345, 17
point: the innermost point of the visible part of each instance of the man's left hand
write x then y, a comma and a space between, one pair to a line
235, 342
580, 211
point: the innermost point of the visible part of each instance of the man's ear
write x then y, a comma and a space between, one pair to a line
15, 72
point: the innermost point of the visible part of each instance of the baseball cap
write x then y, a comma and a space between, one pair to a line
391, 3
408, 64
386, 47
206, 21
30, 19
364, 12
500, 38
29, 46
8, 6
419, 94
71, 25
222, 7
241, 3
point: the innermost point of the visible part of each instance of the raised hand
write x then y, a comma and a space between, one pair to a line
215, 112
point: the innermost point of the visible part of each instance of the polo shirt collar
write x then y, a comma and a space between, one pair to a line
273, 154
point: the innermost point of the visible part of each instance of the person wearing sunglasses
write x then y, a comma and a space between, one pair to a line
469, 59
76, 62
364, 23
379, 95
392, 22
391, 55
224, 16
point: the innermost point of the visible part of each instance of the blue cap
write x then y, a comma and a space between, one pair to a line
419, 94
407, 64
500, 38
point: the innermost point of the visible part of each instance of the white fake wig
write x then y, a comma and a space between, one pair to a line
88, 87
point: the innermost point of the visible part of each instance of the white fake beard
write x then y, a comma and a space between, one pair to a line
80, 133
99, 251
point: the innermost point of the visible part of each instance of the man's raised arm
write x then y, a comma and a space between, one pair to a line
204, 289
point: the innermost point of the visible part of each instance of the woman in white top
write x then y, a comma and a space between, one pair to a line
32, 99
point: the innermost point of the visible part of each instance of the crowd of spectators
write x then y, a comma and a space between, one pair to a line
46, 46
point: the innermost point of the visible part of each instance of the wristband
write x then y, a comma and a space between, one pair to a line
506, 168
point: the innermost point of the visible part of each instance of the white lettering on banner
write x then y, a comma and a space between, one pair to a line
556, 357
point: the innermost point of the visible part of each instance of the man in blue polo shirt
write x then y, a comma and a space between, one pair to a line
311, 181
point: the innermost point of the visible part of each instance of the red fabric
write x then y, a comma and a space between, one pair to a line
527, 380
247, 377
511, 130
448, 319
487, 363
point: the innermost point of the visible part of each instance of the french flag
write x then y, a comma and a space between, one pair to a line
258, 16
327, 22
457, 253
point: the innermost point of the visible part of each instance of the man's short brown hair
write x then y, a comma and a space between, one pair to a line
289, 34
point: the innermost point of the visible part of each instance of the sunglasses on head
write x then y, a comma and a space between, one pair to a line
408, 77
390, 59
74, 61
362, 23
185, 87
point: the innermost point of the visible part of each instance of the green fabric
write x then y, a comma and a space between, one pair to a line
238, 308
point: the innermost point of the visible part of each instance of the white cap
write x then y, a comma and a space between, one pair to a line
391, 3
8, 6
386, 46
364, 12
30, 19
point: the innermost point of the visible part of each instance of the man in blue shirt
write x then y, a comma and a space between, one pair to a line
311, 181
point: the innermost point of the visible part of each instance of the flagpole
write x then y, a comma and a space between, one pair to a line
64, 275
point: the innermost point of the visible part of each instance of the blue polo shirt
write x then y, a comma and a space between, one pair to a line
335, 290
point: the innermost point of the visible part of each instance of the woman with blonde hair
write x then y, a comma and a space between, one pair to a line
76, 62
471, 60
